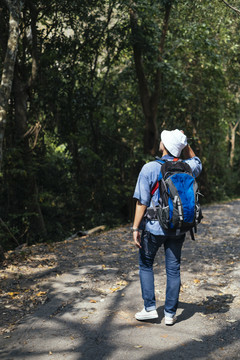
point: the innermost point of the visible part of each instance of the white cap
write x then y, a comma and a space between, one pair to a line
174, 141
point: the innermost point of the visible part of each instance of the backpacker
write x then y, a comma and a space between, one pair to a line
178, 209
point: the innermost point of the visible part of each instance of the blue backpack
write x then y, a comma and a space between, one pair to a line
178, 207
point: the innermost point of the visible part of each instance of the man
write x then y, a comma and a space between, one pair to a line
172, 144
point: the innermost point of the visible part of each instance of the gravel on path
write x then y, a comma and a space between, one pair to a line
77, 299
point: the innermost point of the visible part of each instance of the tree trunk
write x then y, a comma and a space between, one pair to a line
151, 134
149, 101
30, 202
232, 141
23, 189
14, 7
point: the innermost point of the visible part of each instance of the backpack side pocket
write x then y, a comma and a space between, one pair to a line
163, 216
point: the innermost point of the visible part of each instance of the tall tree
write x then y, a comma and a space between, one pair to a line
149, 92
14, 8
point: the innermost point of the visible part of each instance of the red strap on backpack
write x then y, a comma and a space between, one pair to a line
156, 185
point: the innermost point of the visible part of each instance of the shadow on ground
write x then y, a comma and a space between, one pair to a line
82, 319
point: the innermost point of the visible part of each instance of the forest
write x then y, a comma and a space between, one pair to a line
87, 87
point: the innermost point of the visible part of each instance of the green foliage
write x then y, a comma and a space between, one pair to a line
82, 170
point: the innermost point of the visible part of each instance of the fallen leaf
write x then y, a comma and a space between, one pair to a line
231, 320
122, 283
196, 281
93, 301
115, 289
13, 293
196, 339
41, 293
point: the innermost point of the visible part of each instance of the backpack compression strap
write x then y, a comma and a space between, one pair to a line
156, 185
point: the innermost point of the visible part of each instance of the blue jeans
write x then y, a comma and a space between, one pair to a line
172, 246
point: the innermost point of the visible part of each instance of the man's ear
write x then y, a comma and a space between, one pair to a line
161, 146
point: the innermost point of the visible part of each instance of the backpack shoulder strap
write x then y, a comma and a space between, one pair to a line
156, 185
161, 161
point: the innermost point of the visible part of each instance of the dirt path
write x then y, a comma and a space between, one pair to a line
88, 289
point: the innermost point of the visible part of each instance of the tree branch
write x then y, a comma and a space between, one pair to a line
231, 7
236, 125
7, 228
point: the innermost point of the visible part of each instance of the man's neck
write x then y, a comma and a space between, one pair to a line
164, 152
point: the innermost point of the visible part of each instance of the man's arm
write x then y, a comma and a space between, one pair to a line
191, 159
188, 152
139, 213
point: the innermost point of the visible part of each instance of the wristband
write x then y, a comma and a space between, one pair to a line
134, 229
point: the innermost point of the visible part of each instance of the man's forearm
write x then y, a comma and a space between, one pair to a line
139, 213
188, 152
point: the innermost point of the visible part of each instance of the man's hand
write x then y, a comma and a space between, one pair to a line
139, 213
137, 239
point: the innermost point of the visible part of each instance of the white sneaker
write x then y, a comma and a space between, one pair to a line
146, 315
170, 320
